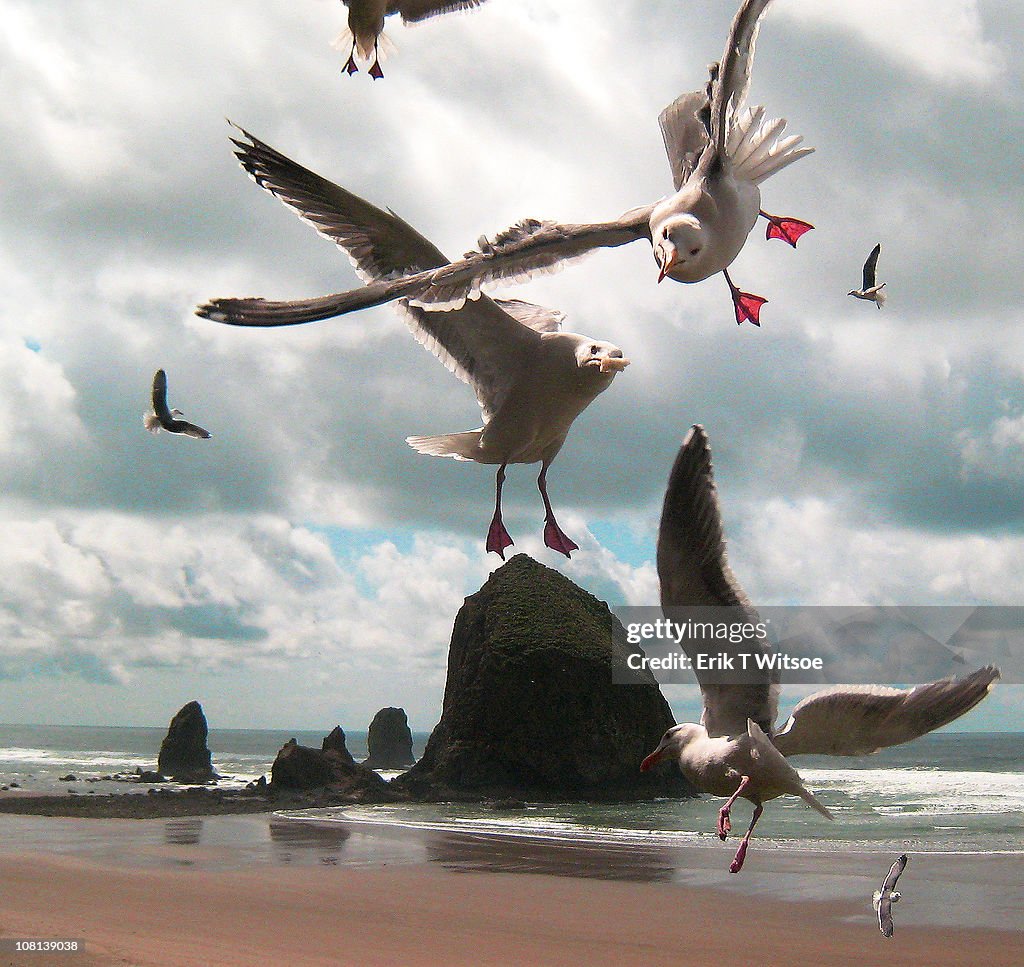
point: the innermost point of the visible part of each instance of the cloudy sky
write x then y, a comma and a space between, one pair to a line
304, 566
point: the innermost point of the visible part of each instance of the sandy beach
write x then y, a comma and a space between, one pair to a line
237, 890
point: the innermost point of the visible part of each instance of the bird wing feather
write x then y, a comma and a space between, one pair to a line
693, 572
869, 268
861, 719
685, 134
482, 344
413, 11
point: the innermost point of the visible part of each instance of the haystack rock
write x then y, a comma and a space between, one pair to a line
530, 710
184, 755
389, 740
330, 767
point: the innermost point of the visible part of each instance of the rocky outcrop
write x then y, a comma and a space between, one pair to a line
530, 711
184, 755
389, 740
299, 767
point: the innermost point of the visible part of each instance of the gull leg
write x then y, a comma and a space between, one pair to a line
351, 67
497, 537
788, 229
375, 72
746, 305
554, 536
723, 814
741, 853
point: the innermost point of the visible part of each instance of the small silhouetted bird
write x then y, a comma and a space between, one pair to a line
163, 418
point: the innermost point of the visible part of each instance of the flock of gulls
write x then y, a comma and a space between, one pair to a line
532, 380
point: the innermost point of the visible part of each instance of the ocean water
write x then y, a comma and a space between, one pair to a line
954, 792
36, 756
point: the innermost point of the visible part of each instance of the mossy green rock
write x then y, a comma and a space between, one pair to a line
530, 709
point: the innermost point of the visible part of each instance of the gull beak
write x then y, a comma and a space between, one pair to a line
652, 760
668, 261
613, 364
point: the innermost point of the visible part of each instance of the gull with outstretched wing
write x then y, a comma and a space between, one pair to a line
163, 418
719, 151
883, 899
870, 290
531, 379
736, 750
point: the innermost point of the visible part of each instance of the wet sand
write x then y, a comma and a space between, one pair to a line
236, 890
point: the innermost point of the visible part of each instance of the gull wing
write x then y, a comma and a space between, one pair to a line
685, 134
190, 429
482, 344
885, 923
861, 719
413, 11
693, 572
889, 884
163, 414
516, 254
730, 83
869, 268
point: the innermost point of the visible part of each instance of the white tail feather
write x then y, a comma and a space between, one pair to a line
808, 797
757, 150
460, 446
151, 422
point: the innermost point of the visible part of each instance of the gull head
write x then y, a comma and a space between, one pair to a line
679, 246
602, 356
672, 743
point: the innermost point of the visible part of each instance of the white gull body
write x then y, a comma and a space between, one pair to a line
736, 750
530, 379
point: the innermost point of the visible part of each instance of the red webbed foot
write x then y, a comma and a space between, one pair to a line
723, 823
498, 538
737, 860
748, 307
557, 540
375, 72
788, 229
350, 67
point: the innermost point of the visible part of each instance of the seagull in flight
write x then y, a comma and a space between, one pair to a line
531, 379
869, 290
736, 750
161, 418
365, 32
719, 151
883, 899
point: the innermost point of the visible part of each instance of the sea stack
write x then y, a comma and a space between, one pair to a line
389, 740
184, 754
530, 711
330, 767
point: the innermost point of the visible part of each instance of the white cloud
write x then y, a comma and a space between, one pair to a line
945, 40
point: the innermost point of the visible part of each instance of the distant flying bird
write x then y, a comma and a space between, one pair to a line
365, 31
163, 418
719, 153
736, 750
882, 900
869, 290
530, 379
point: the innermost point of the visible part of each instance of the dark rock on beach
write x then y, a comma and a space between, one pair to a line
389, 740
332, 767
530, 710
184, 755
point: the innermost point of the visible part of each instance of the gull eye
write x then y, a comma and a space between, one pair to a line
594, 350
695, 251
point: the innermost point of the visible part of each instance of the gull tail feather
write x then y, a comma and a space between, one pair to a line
808, 797
151, 422
460, 446
757, 148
